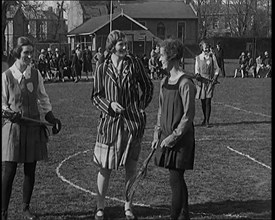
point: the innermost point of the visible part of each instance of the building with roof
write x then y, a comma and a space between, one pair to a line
43, 25
155, 20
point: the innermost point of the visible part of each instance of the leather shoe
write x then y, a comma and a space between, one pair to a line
129, 215
4, 215
97, 216
28, 215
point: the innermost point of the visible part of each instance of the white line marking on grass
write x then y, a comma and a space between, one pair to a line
251, 158
239, 109
83, 189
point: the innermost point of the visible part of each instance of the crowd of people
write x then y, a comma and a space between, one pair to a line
122, 119
257, 68
54, 66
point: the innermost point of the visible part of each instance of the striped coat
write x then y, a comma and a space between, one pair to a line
107, 88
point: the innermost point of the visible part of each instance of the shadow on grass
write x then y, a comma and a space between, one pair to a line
235, 123
248, 208
252, 209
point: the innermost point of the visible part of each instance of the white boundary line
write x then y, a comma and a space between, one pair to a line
239, 109
83, 189
120, 200
251, 158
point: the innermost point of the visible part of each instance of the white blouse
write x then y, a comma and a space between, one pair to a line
43, 98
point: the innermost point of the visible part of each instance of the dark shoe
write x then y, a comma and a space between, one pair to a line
183, 216
27, 213
129, 215
4, 215
203, 123
97, 216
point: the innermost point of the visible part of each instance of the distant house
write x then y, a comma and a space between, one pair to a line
166, 19
94, 33
43, 25
17, 25
157, 20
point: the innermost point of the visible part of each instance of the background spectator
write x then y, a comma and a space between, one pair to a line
219, 54
243, 64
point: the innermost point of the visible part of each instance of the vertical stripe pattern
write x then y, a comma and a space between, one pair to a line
107, 89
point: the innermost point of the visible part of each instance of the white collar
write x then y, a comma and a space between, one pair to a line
18, 75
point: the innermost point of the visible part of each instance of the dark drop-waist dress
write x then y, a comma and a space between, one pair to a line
175, 124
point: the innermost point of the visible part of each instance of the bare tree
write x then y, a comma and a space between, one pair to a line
240, 17
60, 11
26, 5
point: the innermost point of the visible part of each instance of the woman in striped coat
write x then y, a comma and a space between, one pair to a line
115, 93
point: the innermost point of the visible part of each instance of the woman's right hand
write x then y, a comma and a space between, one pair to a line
117, 108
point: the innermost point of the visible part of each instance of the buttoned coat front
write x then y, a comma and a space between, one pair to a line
108, 87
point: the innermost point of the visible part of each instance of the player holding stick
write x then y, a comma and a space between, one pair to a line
174, 132
24, 138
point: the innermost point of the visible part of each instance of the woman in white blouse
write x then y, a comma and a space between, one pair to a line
207, 72
23, 141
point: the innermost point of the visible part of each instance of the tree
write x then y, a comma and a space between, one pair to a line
26, 5
60, 11
243, 18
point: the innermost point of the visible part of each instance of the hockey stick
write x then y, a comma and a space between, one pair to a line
133, 182
36, 121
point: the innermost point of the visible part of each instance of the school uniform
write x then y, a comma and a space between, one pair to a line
175, 124
208, 68
24, 142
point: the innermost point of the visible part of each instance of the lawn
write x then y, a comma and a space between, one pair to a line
231, 177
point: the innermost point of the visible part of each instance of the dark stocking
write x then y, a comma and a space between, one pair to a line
208, 109
203, 105
8, 174
179, 204
29, 179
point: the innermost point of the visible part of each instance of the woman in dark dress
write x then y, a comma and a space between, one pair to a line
174, 132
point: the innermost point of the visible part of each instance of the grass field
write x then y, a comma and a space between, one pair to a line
232, 174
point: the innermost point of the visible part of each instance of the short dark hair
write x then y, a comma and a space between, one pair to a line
21, 41
173, 48
204, 41
113, 37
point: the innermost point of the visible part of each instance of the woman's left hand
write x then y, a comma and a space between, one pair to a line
164, 143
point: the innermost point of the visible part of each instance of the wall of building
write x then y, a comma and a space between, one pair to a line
171, 28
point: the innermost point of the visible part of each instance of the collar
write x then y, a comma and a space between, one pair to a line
18, 75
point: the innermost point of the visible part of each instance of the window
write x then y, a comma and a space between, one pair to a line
181, 31
142, 22
161, 30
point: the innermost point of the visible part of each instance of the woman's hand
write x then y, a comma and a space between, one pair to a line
117, 108
164, 143
155, 144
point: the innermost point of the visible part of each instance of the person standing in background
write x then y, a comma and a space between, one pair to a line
98, 58
77, 63
206, 73
219, 54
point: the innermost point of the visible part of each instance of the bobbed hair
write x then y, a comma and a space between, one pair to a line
173, 48
21, 41
202, 43
113, 37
